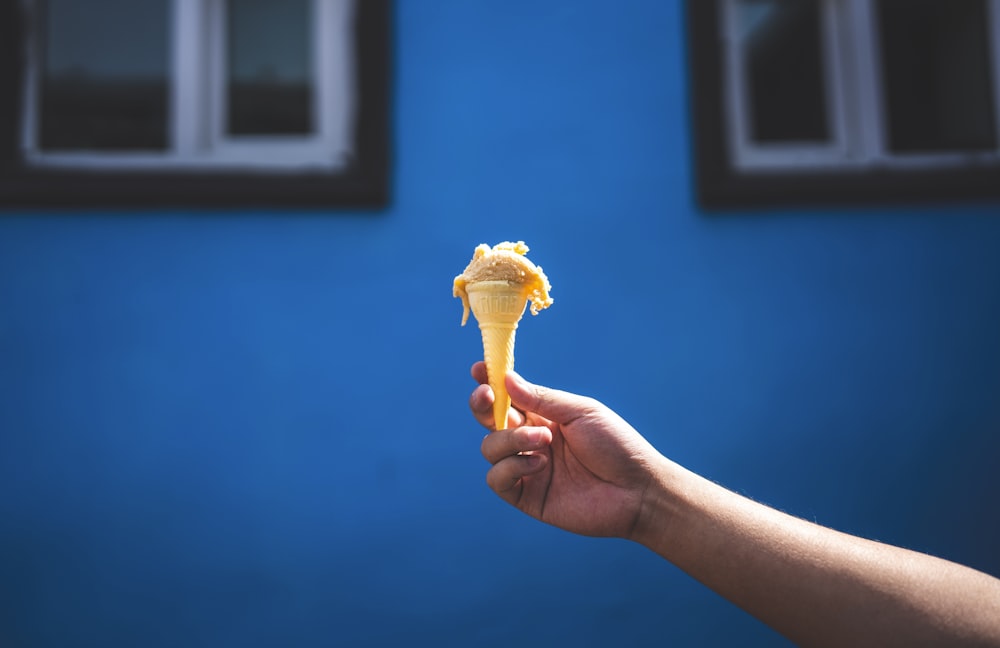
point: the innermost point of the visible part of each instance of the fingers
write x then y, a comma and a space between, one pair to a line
559, 406
481, 401
481, 404
540, 402
515, 454
479, 372
514, 441
505, 477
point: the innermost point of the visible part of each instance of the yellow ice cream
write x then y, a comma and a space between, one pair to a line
497, 285
504, 262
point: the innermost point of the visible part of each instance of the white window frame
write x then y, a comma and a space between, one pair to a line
859, 137
197, 138
749, 154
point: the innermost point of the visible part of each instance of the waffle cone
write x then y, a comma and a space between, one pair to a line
498, 306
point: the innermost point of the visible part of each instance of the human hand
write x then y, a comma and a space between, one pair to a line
566, 460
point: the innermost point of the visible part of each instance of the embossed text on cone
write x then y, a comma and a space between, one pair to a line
498, 306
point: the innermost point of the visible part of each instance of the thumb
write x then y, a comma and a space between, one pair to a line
555, 405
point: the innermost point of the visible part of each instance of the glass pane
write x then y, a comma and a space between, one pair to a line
938, 77
270, 90
784, 70
103, 78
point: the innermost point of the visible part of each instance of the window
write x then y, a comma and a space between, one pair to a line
200, 102
817, 101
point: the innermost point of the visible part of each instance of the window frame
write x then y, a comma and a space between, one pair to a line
752, 156
724, 179
360, 179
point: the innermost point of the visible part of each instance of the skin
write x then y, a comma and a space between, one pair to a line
571, 462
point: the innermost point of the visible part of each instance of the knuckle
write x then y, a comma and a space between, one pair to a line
501, 478
493, 479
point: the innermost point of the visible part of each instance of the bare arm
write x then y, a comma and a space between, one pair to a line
816, 586
573, 463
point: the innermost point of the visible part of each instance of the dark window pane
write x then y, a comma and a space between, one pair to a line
938, 78
270, 72
784, 71
103, 78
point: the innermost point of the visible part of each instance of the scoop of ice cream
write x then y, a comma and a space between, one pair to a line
504, 262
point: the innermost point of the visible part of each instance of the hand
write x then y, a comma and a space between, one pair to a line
566, 460
573, 463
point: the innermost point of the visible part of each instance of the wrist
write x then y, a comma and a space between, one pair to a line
662, 503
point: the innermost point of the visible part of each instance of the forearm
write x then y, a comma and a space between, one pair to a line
815, 585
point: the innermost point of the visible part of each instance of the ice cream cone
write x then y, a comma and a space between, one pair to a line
496, 286
498, 306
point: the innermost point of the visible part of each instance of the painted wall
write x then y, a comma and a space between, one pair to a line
250, 429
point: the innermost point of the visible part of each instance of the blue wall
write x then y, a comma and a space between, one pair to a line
250, 429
